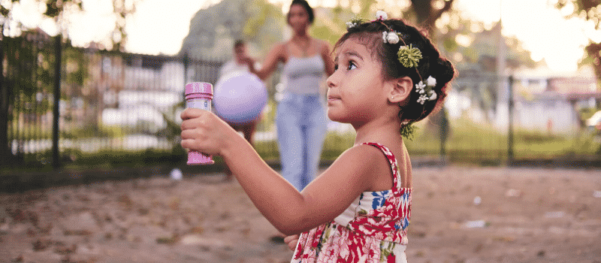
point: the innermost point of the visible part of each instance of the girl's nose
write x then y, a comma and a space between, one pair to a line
331, 81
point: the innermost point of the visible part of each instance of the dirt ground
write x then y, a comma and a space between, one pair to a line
460, 214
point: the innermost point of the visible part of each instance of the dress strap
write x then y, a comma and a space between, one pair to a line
394, 165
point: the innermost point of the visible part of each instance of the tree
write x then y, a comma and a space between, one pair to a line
589, 10
427, 13
213, 30
60, 11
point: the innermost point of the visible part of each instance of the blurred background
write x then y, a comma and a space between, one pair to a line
98, 84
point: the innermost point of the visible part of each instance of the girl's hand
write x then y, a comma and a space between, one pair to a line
291, 241
204, 132
248, 60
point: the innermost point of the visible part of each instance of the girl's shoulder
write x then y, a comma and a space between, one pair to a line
371, 164
365, 151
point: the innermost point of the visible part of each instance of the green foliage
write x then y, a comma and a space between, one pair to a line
450, 45
28, 73
335, 144
268, 150
76, 65
586, 113
589, 10
172, 129
469, 143
117, 159
258, 22
472, 141
424, 141
263, 15
60, 10
94, 131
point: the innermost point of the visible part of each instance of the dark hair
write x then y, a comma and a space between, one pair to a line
307, 8
431, 64
239, 42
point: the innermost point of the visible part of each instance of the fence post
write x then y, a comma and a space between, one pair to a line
186, 61
57, 98
510, 122
444, 133
3, 110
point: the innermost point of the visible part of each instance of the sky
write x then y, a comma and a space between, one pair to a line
159, 26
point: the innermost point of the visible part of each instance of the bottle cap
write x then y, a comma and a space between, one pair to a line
199, 87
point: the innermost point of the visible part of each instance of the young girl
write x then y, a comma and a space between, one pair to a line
388, 75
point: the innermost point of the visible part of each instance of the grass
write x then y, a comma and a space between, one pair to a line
469, 142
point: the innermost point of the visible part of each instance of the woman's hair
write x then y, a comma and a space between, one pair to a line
307, 8
431, 63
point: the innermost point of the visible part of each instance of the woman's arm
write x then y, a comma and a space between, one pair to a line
275, 55
290, 211
327, 58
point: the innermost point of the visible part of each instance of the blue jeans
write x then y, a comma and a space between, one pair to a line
301, 128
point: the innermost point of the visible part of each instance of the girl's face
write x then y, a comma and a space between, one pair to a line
298, 18
356, 89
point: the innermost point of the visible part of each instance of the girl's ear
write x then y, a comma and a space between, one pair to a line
401, 90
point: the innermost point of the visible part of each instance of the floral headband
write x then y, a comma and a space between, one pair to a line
408, 55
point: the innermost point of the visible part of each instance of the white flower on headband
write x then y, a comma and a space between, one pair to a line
355, 21
381, 15
431, 81
433, 95
426, 91
422, 99
390, 37
420, 87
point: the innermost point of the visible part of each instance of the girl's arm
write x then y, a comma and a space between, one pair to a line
327, 58
290, 211
275, 55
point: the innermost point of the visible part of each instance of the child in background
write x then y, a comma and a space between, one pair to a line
388, 75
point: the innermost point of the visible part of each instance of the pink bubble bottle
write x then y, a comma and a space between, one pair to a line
199, 95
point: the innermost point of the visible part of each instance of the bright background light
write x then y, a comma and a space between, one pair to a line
159, 26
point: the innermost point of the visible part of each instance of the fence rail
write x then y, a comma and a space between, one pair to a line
63, 106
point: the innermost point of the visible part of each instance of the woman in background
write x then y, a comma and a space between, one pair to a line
301, 117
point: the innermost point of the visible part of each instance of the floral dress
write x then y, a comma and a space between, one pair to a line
372, 229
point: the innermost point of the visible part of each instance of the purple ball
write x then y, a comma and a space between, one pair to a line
239, 97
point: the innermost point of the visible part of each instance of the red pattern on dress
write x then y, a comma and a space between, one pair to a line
370, 236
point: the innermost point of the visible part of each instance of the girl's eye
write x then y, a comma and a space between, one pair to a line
335, 66
351, 65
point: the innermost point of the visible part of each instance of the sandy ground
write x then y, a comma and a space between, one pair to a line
460, 214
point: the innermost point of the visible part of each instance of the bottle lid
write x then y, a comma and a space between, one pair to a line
199, 87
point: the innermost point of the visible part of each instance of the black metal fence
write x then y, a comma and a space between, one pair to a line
93, 107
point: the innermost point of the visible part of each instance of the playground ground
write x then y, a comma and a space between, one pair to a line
460, 214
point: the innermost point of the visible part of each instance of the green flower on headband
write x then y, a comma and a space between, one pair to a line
408, 130
409, 56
